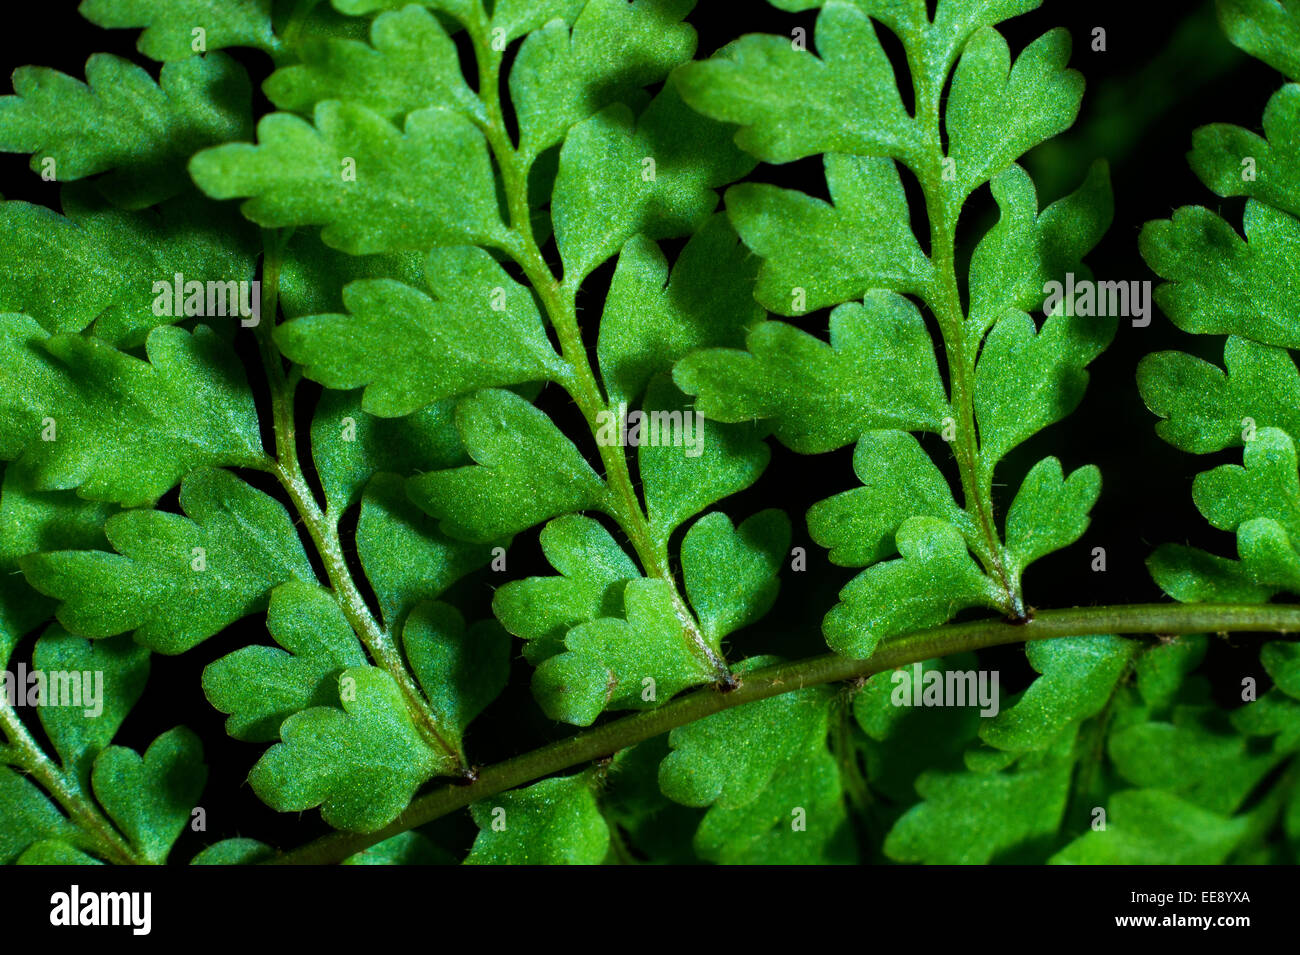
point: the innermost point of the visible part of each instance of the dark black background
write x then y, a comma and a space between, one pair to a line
1166, 69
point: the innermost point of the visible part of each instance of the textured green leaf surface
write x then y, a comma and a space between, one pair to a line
731, 571
1282, 661
409, 64
653, 318
1266, 29
1193, 758
233, 852
1078, 676
562, 76
1149, 827
100, 264
974, 818
1236, 162
1219, 283
1050, 511
526, 471
933, 578
553, 822
176, 580
32, 521
592, 572
764, 771
79, 729
1016, 259
76, 413
406, 558
261, 686
169, 25
632, 662
791, 104
998, 110
55, 852
150, 797
361, 763
409, 848
686, 468
374, 187
28, 815
1030, 377
350, 446
1205, 408
461, 669
898, 481
654, 174
481, 331
817, 253
122, 122
878, 371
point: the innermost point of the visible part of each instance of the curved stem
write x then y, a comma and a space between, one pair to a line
784, 678
559, 300
321, 526
66, 790
944, 299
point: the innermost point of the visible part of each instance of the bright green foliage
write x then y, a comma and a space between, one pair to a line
1150, 827
975, 818
606, 192
653, 317
562, 76
556, 821
409, 63
593, 570
630, 661
348, 351
731, 571
1205, 408
490, 235
78, 413
262, 686
150, 797
1219, 283
526, 471
933, 577
409, 848
351, 172
1264, 29
177, 580
28, 816
1191, 758
121, 122
461, 669
100, 264
877, 377
878, 371
169, 25
360, 763
406, 558
713, 461
32, 521
833, 251
1211, 771
233, 852
142, 803
1078, 677
79, 735
898, 480
350, 446
1282, 662
772, 787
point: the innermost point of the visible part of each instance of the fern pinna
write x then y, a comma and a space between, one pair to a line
509, 246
